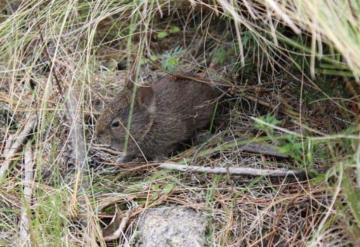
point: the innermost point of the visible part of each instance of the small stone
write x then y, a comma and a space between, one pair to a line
172, 226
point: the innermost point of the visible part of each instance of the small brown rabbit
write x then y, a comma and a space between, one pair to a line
165, 113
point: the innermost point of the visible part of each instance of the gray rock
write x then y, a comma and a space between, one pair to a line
172, 226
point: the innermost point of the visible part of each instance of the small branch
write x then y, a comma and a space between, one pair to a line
231, 170
120, 230
51, 63
8, 144
11, 149
262, 149
28, 182
357, 161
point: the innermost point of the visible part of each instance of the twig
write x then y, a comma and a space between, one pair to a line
104, 148
51, 61
231, 170
262, 149
28, 181
120, 231
8, 144
18, 141
357, 161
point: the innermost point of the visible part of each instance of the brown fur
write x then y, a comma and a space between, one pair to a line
167, 112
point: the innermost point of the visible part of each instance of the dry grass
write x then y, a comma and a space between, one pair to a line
289, 69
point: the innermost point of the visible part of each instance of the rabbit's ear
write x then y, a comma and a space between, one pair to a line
145, 97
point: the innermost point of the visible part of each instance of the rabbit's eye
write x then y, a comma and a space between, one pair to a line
115, 124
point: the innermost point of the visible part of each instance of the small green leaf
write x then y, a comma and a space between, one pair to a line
170, 64
352, 195
174, 29
154, 196
266, 122
153, 58
162, 35
143, 61
168, 188
219, 56
155, 187
171, 59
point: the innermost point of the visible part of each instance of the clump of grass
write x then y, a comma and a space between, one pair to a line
171, 60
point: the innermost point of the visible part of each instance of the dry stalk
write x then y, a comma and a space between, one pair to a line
77, 141
25, 239
92, 234
76, 134
76, 130
357, 161
261, 149
231, 170
11, 149
120, 230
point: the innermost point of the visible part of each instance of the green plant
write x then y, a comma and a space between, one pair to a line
171, 59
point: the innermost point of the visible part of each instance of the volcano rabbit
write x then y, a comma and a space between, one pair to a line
165, 113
